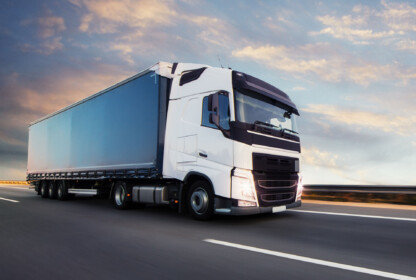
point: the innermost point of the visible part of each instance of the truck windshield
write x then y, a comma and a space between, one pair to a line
253, 108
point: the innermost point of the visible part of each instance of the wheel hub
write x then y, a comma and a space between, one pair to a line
119, 196
199, 201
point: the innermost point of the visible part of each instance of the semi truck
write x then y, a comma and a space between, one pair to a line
204, 140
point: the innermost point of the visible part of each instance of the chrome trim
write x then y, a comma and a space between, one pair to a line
83, 191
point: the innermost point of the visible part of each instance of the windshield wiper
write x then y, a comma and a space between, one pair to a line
275, 126
287, 129
267, 124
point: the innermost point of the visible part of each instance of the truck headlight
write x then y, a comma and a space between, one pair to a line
300, 189
242, 187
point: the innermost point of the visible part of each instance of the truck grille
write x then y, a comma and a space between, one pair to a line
276, 184
274, 189
276, 179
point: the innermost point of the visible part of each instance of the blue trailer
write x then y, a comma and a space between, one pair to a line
113, 131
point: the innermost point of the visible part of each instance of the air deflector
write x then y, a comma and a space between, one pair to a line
247, 82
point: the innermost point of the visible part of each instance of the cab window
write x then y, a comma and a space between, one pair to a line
224, 111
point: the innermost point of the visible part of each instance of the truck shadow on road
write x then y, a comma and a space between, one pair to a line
162, 213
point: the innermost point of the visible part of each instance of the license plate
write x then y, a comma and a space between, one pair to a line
278, 209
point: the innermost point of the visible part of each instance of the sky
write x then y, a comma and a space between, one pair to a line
350, 67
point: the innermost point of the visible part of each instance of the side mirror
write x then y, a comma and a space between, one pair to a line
287, 114
213, 105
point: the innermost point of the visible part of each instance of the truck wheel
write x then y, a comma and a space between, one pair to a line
61, 191
44, 189
201, 201
119, 196
37, 187
52, 190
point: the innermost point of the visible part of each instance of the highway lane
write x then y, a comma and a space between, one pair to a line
86, 238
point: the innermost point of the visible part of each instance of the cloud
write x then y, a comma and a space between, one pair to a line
49, 28
137, 27
401, 101
52, 45
281, 20
108, 16
315, 157
50, 94
212, 30
406, 45
351, 153
85, 23
402, 125
391, 21
48, 25
325, 61
9, 140
365, 73
46, 47
125, 49
291, 60
298, 88
399, 16
336, 151
349, 28
273, 24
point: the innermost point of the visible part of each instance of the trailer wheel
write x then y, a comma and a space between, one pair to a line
52, 190
44, 189
119, 196
37, 188
61, 191
201, 201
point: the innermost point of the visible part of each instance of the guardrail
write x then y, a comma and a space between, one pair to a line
361, 193
13, 182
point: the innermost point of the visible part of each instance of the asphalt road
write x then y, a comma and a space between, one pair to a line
86, 238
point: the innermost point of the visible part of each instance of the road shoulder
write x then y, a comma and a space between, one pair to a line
361, 204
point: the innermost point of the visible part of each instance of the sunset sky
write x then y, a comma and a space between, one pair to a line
350, 66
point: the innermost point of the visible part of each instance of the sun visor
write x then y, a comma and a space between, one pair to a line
244, 81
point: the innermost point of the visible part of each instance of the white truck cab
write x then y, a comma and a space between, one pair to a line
237, 132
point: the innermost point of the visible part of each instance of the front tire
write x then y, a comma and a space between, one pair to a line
201, 201
119, 196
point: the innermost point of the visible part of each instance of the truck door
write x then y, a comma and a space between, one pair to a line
187, 136
214, 150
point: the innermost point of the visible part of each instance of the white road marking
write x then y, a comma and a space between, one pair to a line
312, 260
355, 215
10, 200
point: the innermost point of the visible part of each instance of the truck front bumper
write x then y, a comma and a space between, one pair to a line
240, 211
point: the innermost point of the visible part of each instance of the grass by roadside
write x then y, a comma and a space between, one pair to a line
363, 204
403, 199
